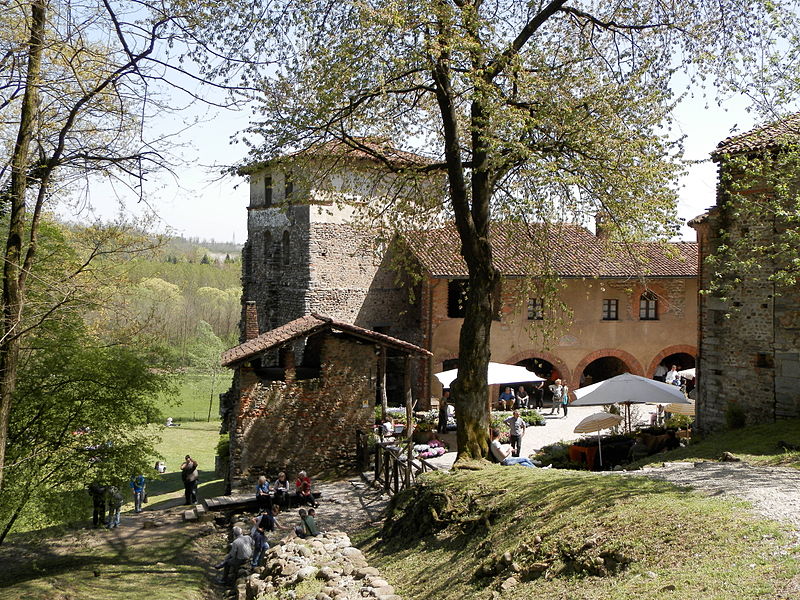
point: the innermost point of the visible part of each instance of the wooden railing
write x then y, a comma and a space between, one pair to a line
394, 473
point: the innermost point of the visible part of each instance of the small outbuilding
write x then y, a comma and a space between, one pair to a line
301, 391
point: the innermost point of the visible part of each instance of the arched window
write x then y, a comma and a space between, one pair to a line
648, 307
286, 247
267, 247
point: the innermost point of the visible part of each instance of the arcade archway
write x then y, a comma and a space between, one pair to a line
603, 368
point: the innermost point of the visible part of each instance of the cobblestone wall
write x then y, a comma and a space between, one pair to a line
749, 341
304, 425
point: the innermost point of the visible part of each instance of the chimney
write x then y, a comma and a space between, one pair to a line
250, 320
602, 228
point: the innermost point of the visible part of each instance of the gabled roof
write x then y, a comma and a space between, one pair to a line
304, 327
379, 151
772, 135
562, 249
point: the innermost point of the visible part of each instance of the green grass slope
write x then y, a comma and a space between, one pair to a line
570, 535
760, 445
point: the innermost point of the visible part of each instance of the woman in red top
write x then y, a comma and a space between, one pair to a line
303, 489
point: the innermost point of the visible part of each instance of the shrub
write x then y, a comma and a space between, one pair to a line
735, 417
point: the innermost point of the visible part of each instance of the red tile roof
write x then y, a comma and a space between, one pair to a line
771, 135
564, 249
303, 327
370, 149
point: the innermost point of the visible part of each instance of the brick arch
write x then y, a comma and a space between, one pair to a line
548, 356
629, 359
680, 348
659, 290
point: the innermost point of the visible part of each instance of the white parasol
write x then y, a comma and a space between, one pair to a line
496, 374
680, 409
596, 422
628, 389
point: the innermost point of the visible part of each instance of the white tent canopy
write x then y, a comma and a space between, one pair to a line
688, 373
497, 374
629, 389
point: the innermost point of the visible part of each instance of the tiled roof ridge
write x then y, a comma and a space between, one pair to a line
566, 249
303, 327
763, 137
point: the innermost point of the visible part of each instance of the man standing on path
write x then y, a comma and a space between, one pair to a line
558, 392
517, 430
189, 475
98, 494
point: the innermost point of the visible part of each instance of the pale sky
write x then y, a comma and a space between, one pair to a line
198, 203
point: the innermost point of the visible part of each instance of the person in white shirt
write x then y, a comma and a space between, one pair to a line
672, 375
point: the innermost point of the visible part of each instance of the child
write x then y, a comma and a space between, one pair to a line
308, 526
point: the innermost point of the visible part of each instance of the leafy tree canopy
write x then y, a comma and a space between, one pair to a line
530, 111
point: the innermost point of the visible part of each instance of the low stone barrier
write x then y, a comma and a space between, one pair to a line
326, 567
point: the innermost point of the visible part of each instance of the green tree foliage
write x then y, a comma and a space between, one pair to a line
87, 385
79, 415
533, 112
78, 83
759, 237
204, 353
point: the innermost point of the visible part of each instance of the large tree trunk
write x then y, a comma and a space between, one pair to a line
13, 283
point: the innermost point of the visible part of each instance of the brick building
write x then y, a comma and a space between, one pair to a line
599, 317
307, 252
749, 336
300, 392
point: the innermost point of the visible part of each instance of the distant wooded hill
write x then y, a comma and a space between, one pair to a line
188, 296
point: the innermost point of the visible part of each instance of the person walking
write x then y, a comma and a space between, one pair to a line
442, 424
517, 429
538, 395
189, 475
115, 502
557, 389
564, 400
138, 486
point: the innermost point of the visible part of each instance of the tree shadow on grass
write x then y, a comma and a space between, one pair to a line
167, 551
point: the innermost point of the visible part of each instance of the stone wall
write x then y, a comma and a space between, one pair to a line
304, 425
749, 340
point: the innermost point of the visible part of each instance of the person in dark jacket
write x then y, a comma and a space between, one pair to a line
98, 494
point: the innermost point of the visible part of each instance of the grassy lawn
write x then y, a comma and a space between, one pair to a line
199, 439
577, 536
195, 394
165, 563
756, 445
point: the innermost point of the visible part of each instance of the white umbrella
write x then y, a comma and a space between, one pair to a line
628, 389
596, 422
680, 409
497, 373
687, 373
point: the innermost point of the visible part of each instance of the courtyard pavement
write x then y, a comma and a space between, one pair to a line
556, 429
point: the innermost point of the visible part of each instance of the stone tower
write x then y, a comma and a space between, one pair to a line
306, 253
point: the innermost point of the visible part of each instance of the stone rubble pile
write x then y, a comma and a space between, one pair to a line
328, 563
